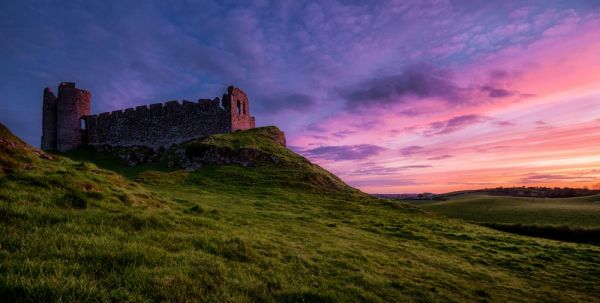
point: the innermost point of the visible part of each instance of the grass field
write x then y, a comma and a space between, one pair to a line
570, 219
576, 212
287, 232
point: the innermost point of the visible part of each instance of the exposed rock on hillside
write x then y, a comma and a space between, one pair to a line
237, 148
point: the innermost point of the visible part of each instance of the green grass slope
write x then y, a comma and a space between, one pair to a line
280, 232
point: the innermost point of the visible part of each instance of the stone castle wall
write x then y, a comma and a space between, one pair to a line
49, 118
67, 123
158, 124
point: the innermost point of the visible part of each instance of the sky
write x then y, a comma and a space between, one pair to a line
392, 96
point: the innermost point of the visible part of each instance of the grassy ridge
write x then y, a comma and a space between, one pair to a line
272, 233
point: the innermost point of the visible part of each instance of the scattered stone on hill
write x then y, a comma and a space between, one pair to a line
7, 144
17, 146
43, 155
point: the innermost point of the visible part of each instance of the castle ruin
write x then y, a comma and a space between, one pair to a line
68, 124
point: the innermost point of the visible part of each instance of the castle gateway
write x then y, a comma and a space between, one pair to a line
67, 123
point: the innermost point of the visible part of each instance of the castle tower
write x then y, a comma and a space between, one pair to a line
236, 102
73, 105
63, 127
49, 120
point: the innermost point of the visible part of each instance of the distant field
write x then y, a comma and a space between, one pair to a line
567, 219
581, 212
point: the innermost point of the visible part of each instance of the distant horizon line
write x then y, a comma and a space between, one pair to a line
489, 188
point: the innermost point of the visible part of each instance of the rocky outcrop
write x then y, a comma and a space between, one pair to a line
279, 137
192, 155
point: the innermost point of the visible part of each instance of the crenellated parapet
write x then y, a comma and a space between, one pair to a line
202, 106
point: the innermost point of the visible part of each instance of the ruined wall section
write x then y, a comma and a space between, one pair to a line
158, 125
236, 103
49, 123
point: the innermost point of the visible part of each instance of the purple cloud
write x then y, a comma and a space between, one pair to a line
453, 125
494, 92
540, 178
499, 74
422, 152
504, 123
343, 133
420, 80
344, 152
441, 157
281, 102
380, 170
412, 150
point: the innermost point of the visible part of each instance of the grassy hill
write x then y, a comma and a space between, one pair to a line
286, 231
576, 218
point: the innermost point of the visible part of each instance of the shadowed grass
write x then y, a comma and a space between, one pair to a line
556, 232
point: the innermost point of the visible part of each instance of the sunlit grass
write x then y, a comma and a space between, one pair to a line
287, 232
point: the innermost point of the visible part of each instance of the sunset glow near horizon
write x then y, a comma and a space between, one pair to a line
392, 96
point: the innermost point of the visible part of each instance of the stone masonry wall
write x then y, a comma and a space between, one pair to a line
236, 102
158, 125
49, 118
61, 117
73, 104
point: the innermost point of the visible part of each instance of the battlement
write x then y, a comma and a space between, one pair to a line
207, 106
156, 125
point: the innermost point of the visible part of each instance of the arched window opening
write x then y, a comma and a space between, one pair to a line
82, 124
239, 107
